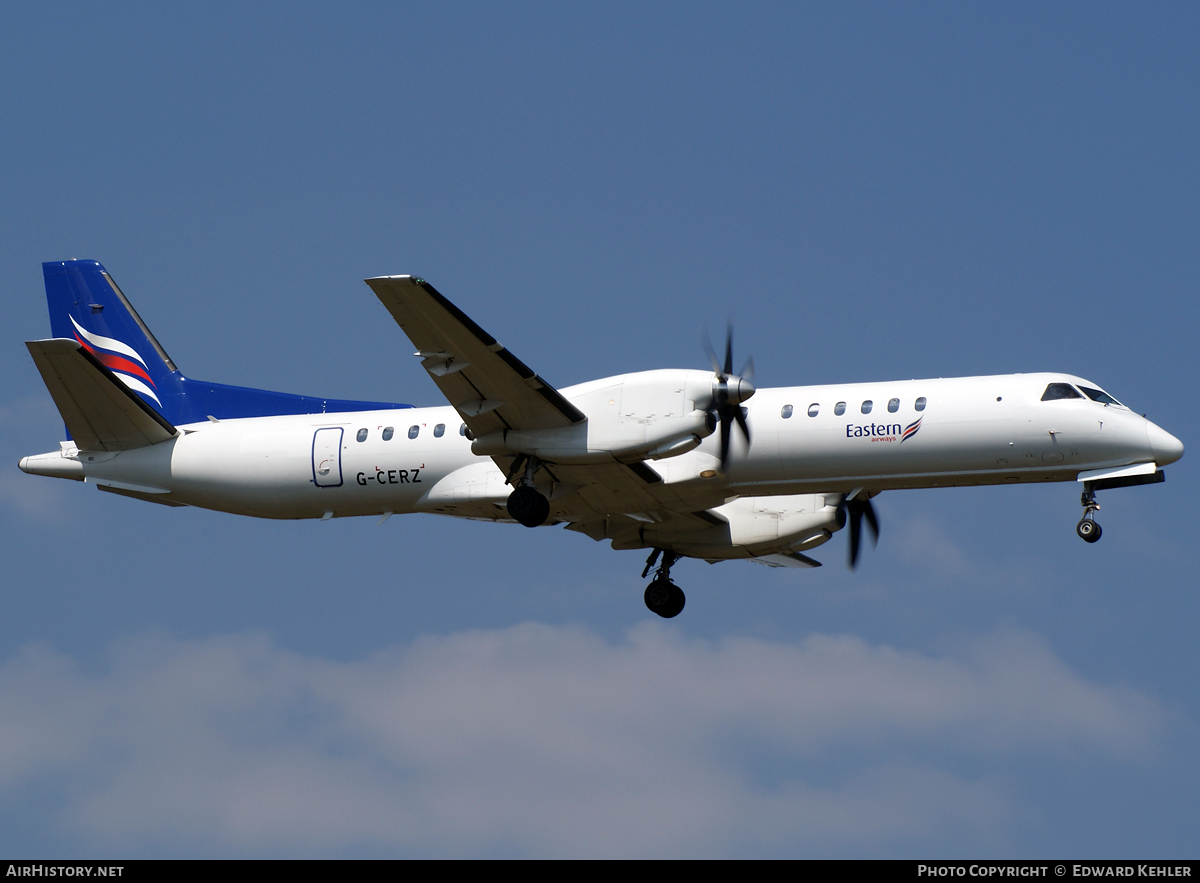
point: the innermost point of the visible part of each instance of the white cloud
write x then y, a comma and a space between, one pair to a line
544, 740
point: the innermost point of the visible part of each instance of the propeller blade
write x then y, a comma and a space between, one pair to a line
872, 521
728, 393
855, 511
855, 518
748, 370
711, 353
740, 416
726, 421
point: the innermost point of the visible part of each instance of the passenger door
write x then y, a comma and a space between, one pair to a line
327, 457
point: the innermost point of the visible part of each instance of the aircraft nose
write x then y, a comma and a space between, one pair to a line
1167, 448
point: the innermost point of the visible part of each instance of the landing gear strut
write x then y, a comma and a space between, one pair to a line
526, 504
663, 596
1087, 528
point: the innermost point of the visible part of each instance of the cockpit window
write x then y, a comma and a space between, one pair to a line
1060, 391
1099, 395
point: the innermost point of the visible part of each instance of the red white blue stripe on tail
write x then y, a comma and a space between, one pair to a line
116, 357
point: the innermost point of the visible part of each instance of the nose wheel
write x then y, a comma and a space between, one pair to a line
663, 596
1088, 529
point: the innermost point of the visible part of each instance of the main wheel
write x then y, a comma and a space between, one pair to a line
665, 598
1088, 530
528, 507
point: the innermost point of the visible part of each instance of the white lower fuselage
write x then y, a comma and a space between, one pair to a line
973, 431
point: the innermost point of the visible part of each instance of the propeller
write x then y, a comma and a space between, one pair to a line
728, 393
852, 510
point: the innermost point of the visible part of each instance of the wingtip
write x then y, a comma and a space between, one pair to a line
414, 279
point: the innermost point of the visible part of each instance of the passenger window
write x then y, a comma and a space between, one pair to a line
439, 430
814, 409
414, 431
362, 435
894, 406
1057, 391
462, 430
785, 412
1099, 395
866, 406
388, 431
920, 404
839, 408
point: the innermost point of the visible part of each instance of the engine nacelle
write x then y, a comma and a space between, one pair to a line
755, 526
799, 521
645, 416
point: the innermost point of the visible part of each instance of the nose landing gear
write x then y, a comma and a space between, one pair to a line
1088, 529
663, 596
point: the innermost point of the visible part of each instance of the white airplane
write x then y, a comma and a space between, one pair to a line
646, 460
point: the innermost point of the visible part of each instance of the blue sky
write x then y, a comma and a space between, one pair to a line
872, 191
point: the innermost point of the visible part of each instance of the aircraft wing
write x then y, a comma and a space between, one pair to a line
489, 387
491, 390
616, 499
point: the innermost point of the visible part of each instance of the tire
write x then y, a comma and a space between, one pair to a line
678, 599
528, 507
1088, 530
664, 598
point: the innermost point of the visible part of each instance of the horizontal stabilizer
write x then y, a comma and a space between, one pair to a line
101, 412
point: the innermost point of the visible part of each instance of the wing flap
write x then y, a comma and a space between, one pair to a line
786, 559
490, 387
101, 412
613, 501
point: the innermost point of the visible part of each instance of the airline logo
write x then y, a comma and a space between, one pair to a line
119, 358
911, 429
884, 432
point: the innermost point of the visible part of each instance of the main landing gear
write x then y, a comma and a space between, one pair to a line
663, 596
526, 504
1088, 529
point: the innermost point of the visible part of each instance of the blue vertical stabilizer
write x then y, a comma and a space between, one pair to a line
87, 306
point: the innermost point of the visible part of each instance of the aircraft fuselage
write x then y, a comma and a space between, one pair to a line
968, 431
